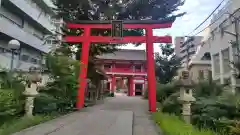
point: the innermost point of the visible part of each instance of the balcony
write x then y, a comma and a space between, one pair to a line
32, 10
14, 30
124, 71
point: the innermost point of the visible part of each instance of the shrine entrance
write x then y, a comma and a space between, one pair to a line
117, 37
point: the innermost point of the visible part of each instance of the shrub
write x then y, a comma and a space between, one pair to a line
172, 125
165, 90
19, 124
111, 94
11, 96
60, 94
227, 107
172, 105
206, 89
213, 109
235, 129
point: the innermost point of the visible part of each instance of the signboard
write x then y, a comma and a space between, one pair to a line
117, 28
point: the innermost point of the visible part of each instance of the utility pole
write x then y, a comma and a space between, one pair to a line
233, 72
236, 27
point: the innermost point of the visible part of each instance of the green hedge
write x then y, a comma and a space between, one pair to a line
19, 124
173, 125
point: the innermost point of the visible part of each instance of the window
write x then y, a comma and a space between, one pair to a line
138, 67
2, 50
226, 61
222, 28
107, 66
207, 56
34, 61
200, 74
24, 57
209, 75
216, 63
212, 35
236, 54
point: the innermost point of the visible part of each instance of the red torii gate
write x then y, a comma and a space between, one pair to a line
86, 39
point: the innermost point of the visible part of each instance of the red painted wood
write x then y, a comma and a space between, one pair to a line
149, 39
127, 39
113, 84
83, 71
131, 85
126, 26
151, 71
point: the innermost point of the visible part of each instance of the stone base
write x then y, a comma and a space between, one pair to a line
187, 118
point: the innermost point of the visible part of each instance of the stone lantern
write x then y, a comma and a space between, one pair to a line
186, 98
33, 78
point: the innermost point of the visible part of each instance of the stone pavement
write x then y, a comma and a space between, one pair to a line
120, 115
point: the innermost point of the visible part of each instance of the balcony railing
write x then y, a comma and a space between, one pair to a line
124, 70
13, 29
36, 14
11, 21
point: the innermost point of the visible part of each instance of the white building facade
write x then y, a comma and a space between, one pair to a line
186, 47
29, 22
222, 52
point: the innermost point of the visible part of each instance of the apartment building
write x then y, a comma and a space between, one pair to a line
186, 47
200, 63
222, 52
30, 22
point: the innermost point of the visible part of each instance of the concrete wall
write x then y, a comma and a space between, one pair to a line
197, 69
13, 26
178, 42
222, 51
34, 57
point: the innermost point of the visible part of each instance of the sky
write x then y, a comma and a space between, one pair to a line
197, 11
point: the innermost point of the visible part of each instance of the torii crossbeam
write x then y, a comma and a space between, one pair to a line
86, 39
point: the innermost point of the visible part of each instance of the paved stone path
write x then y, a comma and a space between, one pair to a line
120, 115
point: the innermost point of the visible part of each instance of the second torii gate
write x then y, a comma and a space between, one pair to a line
86, 39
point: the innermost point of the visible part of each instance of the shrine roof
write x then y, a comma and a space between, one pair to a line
125, 54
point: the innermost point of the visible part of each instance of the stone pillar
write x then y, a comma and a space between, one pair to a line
113, 84
31, 92
186, 112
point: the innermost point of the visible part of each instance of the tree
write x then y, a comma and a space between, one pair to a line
117, 9
167, 64
72, 10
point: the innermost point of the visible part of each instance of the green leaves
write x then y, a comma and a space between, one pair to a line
74, 10
11, 95
60, 94
173, 125
166, 64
